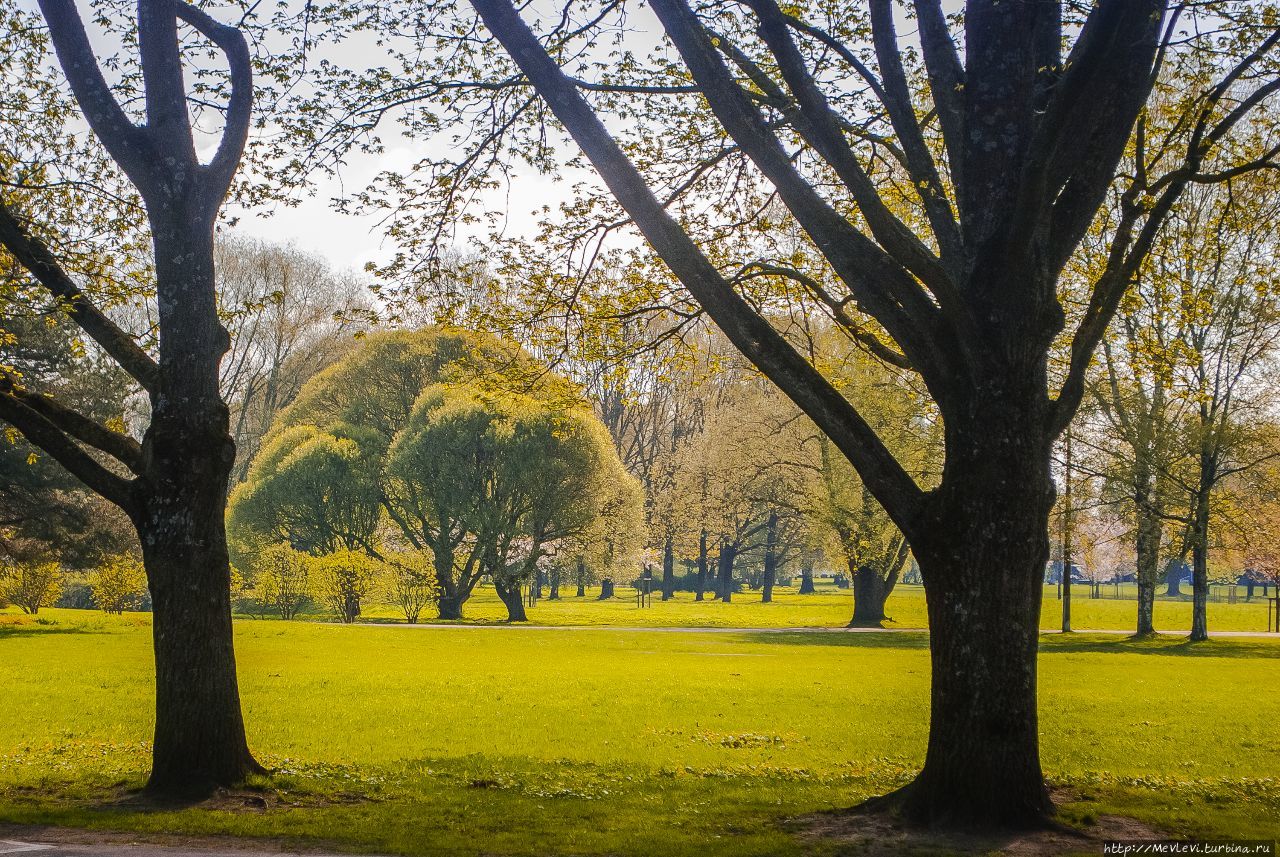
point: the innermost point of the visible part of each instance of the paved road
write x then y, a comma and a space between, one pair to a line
520, 626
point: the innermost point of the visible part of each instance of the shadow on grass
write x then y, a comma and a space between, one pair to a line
1080, 642
1166, 645
859, 640
35, 629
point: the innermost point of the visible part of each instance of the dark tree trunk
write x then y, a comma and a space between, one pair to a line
509, 592
728, 552
701, 580
668, 570
582, 577
554, 581
1200, 569
606, 590
869, 596
452, 596
199, 734
1173, 578
1147, 541
806, 579
982, 766
770, 558
1248, 589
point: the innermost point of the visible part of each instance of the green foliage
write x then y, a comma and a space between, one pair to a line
118, 584
449, 443
281, 579
344, 580
30, 584
411, 583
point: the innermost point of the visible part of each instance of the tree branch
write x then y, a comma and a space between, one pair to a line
893, 487
33, 255
119, 446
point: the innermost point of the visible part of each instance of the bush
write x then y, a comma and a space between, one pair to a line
31, 585
119, 584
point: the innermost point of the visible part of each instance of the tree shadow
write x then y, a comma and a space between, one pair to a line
1163, 645
854, 639
33, 629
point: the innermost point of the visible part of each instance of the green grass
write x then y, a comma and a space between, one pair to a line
498, 741
831, 608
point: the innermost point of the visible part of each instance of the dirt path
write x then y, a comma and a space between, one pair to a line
66, 842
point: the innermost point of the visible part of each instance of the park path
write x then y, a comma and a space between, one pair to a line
83, 843
523, 626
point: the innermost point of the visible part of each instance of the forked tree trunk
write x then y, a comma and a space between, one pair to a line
452, 596
509, 592
668, 570
982, 556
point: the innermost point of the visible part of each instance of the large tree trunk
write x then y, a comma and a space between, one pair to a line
199, 733
1173, 577
701, 585
869, 596
728, 551
452, 596
770, 558
982, 552
554, 580
806, 579
668, 570
606, 590
509, 592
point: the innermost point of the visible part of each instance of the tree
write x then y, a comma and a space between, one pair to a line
31, 585
176, 483
119, 584
281, 579
412, 583
963, 226
343, 581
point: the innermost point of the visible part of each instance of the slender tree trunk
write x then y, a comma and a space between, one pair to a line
554, 581
668, 570
1147, 541
582, 577
701, 578
806, 579
1200, 569
770, 558
509, 592
728, 552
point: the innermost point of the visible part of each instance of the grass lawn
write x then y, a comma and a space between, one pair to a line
498, 741
831, 608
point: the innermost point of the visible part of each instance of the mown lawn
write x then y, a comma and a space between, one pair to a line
831, 608
595, 741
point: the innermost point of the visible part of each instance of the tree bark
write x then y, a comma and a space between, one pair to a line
1200, 569
606, 590
806, 579
1149, 532
1173, 578
701, 584
770, 558
509, 591
200, 739
582, 577
728, 552
982, 766
668, 570
869, 596
554, 581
